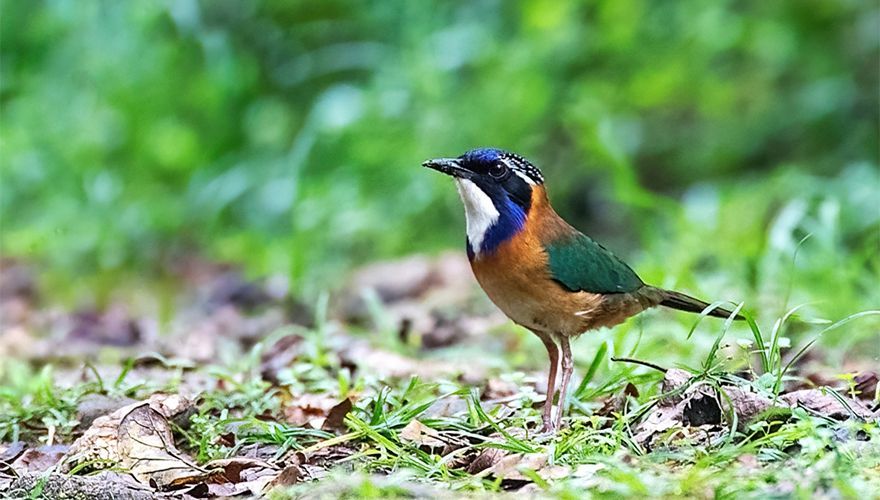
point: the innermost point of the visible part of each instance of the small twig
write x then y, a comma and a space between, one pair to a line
640, 362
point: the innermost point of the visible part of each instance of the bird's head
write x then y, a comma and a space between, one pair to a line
496, 187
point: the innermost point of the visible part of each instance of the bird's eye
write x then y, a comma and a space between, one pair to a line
498, 170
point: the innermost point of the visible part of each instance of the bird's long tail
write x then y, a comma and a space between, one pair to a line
682, 302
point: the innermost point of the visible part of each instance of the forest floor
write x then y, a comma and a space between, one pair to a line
410, 384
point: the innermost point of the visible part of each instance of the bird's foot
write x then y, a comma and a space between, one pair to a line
549, 426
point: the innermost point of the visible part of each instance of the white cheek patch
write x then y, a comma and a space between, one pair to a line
479, 211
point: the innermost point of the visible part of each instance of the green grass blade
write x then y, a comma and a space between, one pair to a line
710, 358
591, 371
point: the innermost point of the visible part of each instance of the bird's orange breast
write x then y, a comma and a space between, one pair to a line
517, 279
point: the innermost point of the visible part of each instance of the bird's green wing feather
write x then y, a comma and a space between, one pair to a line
581, 264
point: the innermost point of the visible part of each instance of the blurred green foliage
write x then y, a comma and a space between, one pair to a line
287, 135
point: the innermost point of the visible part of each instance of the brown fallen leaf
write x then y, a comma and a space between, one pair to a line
314, 409
745, 403
236, 469
11, 451
699, 406
290, 475
336, 416
661, 420
705, 405
420, 434
616, 403
146, 446
674, 380
511, 468
485, 460
38, 459
490, 456
238, 475
826, 404
320, 459
138, 438
866, 385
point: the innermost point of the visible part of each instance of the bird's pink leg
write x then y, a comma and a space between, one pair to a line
553, 353
567, 369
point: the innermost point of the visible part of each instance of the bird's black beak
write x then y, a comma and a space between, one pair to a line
449, 166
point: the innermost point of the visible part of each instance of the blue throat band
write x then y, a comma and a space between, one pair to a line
511, 220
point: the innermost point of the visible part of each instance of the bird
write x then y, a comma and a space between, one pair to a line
544, 274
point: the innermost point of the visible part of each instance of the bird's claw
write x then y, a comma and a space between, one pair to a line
549, 427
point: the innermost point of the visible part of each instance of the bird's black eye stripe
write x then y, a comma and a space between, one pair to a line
498, 170
523, 165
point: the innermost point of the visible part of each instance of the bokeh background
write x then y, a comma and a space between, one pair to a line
700, 140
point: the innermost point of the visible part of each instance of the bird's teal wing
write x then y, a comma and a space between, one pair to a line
581, 264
